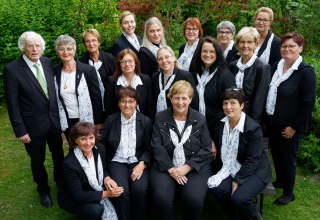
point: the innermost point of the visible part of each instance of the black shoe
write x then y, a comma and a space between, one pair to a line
284, 200
277, 184
45, 199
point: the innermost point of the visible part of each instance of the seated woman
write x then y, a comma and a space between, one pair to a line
169, 74
77, 87
84, 190
181, 147
128, 74
126, 137
245, 168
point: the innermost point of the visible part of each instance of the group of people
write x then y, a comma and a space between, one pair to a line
141, 121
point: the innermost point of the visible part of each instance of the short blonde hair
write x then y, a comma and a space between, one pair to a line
247, 32
181, 87
125, 14
93, 32
267, 10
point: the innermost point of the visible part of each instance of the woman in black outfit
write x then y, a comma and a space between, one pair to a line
290, 101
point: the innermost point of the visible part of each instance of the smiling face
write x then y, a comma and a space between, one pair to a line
33, 50
166, 61
232, 109
263, 22
127, 106
91, 43
128, 25
208, 54
86, 143
224, 36
191, 33
247, 45
127, 64
154, 33
290, 50
66, 52
180, 103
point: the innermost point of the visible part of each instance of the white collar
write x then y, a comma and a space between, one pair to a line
29, 62
239, 126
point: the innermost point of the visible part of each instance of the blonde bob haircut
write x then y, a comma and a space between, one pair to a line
181, 87
267, 10
93, 32
247, 32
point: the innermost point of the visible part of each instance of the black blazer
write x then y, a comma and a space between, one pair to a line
222, 80
179, 75
75, 185
123, 43
232, 55
295, 100
255, 86
91, 77
111, 134
275, 55
108, 64
30, 111
251, 153
148, 61
193, 60
144, 93
197, 148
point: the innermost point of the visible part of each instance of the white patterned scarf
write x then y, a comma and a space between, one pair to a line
178, 153
161, 101
226, 51
229, 152
97, 66
85, 106
187, 55
202, 82
127, 146
109, 212
265, 56
242, 67
277, 79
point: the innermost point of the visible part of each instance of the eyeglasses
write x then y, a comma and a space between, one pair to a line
208, 51
125, 102
224, 32
289, 46
124, 62
191, 29
233, 89
90, 41
259, 20
64, 49
164, 58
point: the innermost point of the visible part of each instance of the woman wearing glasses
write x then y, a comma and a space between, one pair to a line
169, 74
192, 31
268, 49
289, 105
225, 32
126, 138
128, 74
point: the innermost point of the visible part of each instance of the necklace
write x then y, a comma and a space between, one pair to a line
66, 78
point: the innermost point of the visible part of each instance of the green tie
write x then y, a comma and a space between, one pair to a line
41, 80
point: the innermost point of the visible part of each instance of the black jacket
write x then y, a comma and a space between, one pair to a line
275, 55
123, 43
111, 135
179, 75
181, 49
295, 100
232, 55
251, 153
255, 86
197, 148
148, 61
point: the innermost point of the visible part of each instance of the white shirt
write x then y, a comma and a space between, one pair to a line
68, 93
32, 68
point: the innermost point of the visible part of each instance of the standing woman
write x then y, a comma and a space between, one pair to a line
127, 136
212, 78
268, 49
169, 74
251, 74
78, 92
225, 32
153, 39
181, 146
128, 38
244, 166
128, 74
290, 102
192, 31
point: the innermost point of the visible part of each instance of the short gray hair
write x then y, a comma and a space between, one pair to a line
30, 37
227, 25
65, 40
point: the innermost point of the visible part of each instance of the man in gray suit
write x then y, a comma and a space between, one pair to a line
33, 110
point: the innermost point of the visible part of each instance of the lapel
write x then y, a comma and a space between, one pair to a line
78, 74
264, 44
128, 44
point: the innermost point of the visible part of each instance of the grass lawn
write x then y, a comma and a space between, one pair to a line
19, 199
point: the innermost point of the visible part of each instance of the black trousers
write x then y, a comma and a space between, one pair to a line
84, 210
36, 149
284, 154
192, 194
240, 203
133, 202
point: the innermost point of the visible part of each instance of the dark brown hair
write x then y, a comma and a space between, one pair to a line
120, 56
82, 128
296, 37
128, 91
234, 93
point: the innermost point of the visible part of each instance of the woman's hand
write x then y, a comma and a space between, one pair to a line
234, 187
213, 150
115, 192
137, 171
179, 172
110, 183
182, 180
288, 132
